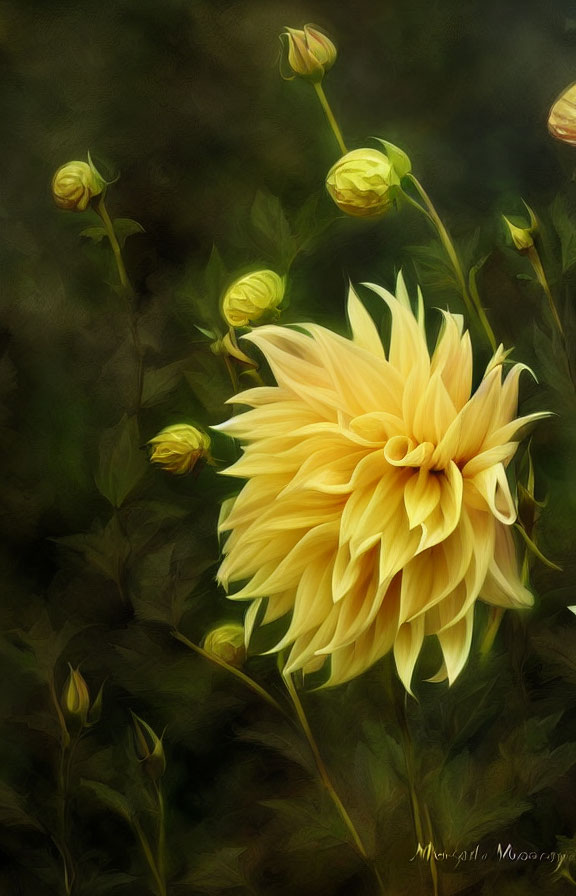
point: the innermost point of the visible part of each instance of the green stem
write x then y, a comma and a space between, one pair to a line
418, 812
473, 306
245, 679
151, 861
161, 852
538, 268
102, 211
323, 772
232, 373
430, 837
330, 116
496, 614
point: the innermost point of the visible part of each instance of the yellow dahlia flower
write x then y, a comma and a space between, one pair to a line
376, 509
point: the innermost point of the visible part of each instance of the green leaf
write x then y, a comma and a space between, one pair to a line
122, 461
158, 383
106, 549
110, 798
96, 233
220, 870
283, 739
14, 811
271, 231
565, 226
398, 158
125, 227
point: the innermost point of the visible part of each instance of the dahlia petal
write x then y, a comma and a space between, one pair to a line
363, 328
446, 515
500, 454
455, 644
511, 430
377, 426
434, 413
477, 416
408, 347
406, 649
503, 586
493, 485
421, 496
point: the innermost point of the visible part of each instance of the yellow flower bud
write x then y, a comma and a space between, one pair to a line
562, 116
227, 643
75, 184
250, 297
178, 448
310, 53
523, 237
76, 697
148, 747
360, 183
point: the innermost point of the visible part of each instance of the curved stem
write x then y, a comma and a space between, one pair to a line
472, 304
330, 116
326, 780
538, 268
245, 679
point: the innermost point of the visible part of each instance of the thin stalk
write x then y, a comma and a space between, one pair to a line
102, 211
418, 813
161, 851
496, 614
326, 780
232, 374
330, 116
63, 784
150, 859
433, 868
536, 262
245, 679
473, 306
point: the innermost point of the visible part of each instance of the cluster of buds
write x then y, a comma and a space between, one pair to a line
252, 296
178, 448
75, 184
148, 748
310, 53
77, 708
227, 642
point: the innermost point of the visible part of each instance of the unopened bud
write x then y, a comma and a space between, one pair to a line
251, 297
310, 53
523, 237
75, 184
562, 116
148, 748
76, 697
227, 643
361, 182
178, 448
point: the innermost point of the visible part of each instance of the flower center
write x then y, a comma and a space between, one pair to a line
402, 451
